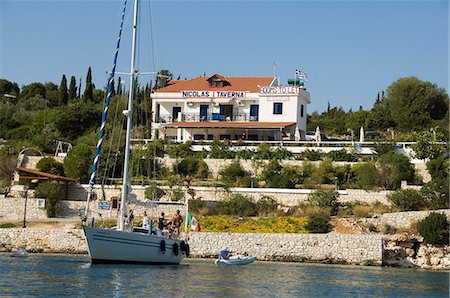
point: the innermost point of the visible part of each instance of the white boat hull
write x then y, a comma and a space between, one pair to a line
236, 260
111, 246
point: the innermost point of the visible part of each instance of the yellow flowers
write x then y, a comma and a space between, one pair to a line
223, 223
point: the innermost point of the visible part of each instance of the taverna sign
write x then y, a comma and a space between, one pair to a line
213, 94
280, 90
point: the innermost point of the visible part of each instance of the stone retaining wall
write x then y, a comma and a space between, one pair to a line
43, 240
404, 220
328, 248
284, 196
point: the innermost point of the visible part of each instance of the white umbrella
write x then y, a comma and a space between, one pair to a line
361, 135
318, 137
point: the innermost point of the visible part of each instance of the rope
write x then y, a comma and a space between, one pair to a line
105, 113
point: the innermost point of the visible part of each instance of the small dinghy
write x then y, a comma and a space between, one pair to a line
236, 260
21, 253
226, 259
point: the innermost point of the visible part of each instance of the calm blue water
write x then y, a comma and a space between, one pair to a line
66, 275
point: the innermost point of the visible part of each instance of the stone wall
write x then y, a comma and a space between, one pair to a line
326, 248
404, 220
43, 240
284, 196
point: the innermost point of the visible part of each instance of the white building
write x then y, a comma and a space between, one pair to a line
234, 108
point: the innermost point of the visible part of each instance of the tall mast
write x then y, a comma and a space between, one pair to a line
128, 113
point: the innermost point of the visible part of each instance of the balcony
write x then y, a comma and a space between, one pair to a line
195, 117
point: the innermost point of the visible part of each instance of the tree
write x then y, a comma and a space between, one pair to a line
51, 166
414, 104
434, 228
51, 192
7, 87
33, 89
78, 162
88, 91
72, 93
325, 199
406, 200
162, 78
394, 168
63, 94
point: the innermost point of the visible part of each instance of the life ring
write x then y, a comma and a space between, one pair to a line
175, 249
162, 246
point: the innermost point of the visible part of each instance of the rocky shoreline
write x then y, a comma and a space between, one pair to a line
357, 249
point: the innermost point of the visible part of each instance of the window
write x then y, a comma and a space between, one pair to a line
216, 83
277, 108
302, 110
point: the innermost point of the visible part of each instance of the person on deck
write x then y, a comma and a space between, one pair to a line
161, 222
145, 220
176, 220
131, 218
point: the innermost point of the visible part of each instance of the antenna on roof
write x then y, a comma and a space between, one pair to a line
275, 71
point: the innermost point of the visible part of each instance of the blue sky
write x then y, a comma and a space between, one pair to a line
350, 49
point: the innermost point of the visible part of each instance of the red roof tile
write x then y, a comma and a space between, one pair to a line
250, 84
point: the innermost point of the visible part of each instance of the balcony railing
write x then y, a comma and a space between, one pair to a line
194, 117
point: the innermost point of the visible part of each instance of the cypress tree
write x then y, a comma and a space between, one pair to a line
89, 88
119, 86
63, 95
72, 88
79, 89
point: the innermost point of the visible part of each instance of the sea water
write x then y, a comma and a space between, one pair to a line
72, 275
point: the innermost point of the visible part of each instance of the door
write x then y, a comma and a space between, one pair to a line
254, 112
226, 111
175, 113
203, 113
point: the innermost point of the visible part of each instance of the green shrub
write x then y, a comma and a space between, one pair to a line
51, 192
325, 199
406, 200
439, 168
177, 194
311, 155
434, 228
180, 150
232, 173
266, 205
7, 225
436, 193
318, 225
154, 192
366, 176
323, 173
51, 166
196, 205
341, 155
237, 204
394, 168
191, 167
221, 150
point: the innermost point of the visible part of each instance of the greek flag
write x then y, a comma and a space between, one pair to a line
301, 75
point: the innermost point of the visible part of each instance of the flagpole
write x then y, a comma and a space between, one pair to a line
187, 217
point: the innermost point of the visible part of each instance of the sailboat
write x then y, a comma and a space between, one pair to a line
125, 244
